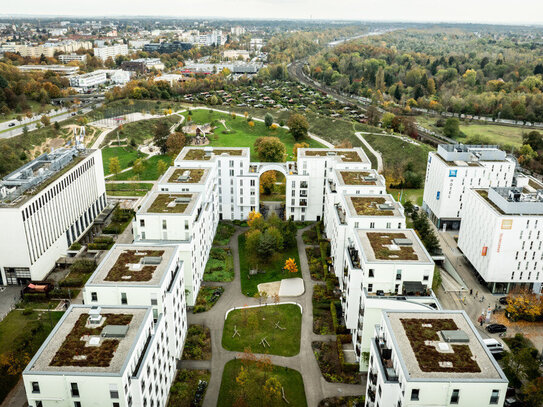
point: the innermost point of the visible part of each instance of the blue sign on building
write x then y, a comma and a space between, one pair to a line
452, 173
437, 197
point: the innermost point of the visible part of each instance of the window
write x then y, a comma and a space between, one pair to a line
371, 273
77, 404
372, 225
495, 397
35, 387
123, 299
142, 222
455, 396
94, 296
370, 288
425, 278
164, 225
414, 394
39, 404
113, 392
75, 389
118, 404
398, 274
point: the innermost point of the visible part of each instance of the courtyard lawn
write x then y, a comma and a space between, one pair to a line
413, 195
184, 388
126, 156
150, 170
128, 189
274, 270
290, 379
220, 265
253, 324
241, 134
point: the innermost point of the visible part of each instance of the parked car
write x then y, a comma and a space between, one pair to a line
11, 124
494, 346
503, 300
495, 328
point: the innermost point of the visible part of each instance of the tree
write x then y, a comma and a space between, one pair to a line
272, 392
161, 167
387, 120
452, 127
290, 266
252, 239
45, 120
162, 131
114, 165
56, 126
175, 143
298, 126
267, 182
253, 216
268, 119
138, 167
251, 123
373, 115
297, 146
526, 154
270, 149
275, 234
532, 393
267, 245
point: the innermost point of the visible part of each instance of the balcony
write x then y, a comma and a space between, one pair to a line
371, 395
354, 256
303, 202
303, 194
303, 184
372, 378
341, 214
332, 186
385, 357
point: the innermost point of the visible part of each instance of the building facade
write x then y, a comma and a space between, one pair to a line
111, 51
88, 80
45, 206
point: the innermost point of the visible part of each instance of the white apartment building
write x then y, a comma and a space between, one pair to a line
45, 206
144, 275
235, 54
112, 51
453, 170
65, 58
48, 49
88, 80
238, 30
384, 262
371, 313
431, 359
502, 235
60, 69
103, 356
183, 211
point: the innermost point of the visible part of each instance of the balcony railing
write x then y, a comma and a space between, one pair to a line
385, 357
354, 256
303, 184
341, 214
332, 186
303, 202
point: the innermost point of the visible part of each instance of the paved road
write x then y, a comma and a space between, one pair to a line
316, 388
374, 152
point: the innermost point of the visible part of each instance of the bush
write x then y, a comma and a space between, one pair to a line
83, 266
333, 311
75, 246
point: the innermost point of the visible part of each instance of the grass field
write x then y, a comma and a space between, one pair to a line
126, 156
274, 270
290, 379
141, 130
150, 172
413, 195
128, 189
220, 265
253, 324
243, 135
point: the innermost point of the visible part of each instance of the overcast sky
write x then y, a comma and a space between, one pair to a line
486, 11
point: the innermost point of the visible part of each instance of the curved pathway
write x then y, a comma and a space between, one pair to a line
316, 388
372, 150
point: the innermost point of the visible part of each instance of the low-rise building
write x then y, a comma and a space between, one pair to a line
88, 80
104, 356
236, 54
454, 169
502, 235
111, 51
65, 58
45, 206
143, 65
433, 359
60, 69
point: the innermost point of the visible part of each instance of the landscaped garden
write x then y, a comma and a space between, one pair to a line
264, 251
225, 230
128, 189
138, 132
188, 388
120, 219
21, 335
348, 401
272, 329
207, 297
318, 252
310, 236
126, 156
150, 170
220, 265
241, 132
332, 361
197, 343
256, 382
324, 310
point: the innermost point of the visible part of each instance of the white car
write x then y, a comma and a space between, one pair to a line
494, 346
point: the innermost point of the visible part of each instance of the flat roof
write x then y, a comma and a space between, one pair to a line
346, 155
207, 153
372, 205
184, 175
425, 354
75, 346
378, 245
169, 203
358, 177
134, 265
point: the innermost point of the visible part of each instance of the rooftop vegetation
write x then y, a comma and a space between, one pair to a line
121, 270
380, 242
369, 206
356, 178
162, 201
194, 177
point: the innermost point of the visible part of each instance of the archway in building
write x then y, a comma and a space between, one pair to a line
272, 188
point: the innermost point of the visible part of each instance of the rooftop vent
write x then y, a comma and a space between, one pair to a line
114, 331
455, 336
333, 153
151, 260
182, 200
94, 315
386, 207
403, 242
370, 178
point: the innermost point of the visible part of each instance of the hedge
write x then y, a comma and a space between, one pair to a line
333, 311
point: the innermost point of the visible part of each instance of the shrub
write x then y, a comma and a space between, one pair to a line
333, 311
75, 246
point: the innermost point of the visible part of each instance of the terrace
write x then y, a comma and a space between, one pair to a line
169, 203
441, 344
133, 264
385, 245
89, 340
372, 206
358, 178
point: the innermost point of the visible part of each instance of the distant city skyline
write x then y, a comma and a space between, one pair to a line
460, 11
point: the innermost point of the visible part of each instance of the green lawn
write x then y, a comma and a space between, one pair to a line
126, 156
220, 265
254, 324
128, 189
274, 270
290, 379
184, 387
21, 336
141, 130
413, 195
243, 135
150, 172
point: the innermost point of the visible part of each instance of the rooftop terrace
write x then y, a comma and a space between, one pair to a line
134, 264
165, 202
207, 153
440, 345
98, 344
345, 155
358, 177
392, 245
186, 175
372, 205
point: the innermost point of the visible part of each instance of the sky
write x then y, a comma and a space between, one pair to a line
473, 11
